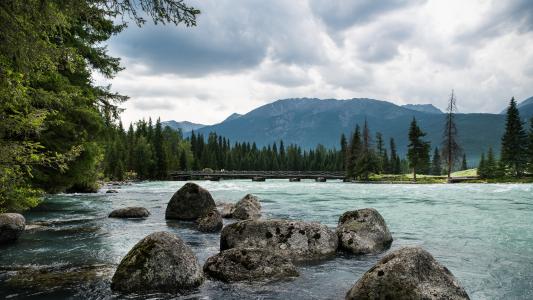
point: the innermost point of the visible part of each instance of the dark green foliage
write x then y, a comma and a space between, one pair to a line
530, 147
54, 120
436, 163
514, 142
218, 153
418, 150
490, 167
148, 151
464, 165
395, 162
482, 167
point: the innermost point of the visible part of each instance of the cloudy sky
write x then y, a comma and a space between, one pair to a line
244, 54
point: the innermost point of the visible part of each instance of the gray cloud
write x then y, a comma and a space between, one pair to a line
505, 17
343, 14
230, 37
245, 53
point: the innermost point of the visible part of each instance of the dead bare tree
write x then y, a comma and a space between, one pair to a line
451, 151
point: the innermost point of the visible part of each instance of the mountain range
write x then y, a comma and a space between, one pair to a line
309, 122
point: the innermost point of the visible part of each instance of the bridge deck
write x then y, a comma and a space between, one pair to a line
265, 174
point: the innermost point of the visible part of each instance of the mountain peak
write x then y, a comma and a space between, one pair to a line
185, 126
232, 117
427, 108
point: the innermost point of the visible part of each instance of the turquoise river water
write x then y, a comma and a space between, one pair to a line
482, 233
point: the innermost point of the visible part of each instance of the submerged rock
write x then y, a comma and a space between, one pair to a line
51, 278
130, 212
363, 231
11, 227
111, 192
189, 203
248, 265
161, 262
212, 222
294, 239
408, 273
225, 209
247, 208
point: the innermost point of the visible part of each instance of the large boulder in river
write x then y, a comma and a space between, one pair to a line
249, 265
161, 262
212, 222
130, 212
294, 239
247, 208
363, 231
11, 227
225, 209
408, 273
189, 203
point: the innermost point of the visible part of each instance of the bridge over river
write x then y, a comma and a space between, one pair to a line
257, 175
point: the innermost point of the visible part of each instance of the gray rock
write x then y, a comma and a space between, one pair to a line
258, 178
212, 222
11, 227
363, 231
111, 192
189, 203
249, 264
247, 208
408, 273
225, 209
130, 212
294, 239
161, 262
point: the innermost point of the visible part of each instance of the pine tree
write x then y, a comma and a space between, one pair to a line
418, 149
354, 152
530, 147
514, 142
380, 148
491, 166
160, 155
344, 148
450, 146
464, 165
366, 161
482, 167
395, 161
436, 163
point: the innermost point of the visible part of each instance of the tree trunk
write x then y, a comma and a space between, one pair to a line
414, 174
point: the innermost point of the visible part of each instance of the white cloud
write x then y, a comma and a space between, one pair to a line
247, 53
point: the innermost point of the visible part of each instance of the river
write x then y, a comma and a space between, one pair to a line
483, 233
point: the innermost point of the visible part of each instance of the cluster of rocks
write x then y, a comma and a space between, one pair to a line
254, 249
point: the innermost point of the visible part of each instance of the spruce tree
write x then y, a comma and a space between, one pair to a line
344, 148
159, 153
464, 165
436, 163
354, 152
366, 161
418, 149
491, 167
395, 162
482, 167
514, 142
530, 147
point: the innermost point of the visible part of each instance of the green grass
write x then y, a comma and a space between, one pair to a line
464, 173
